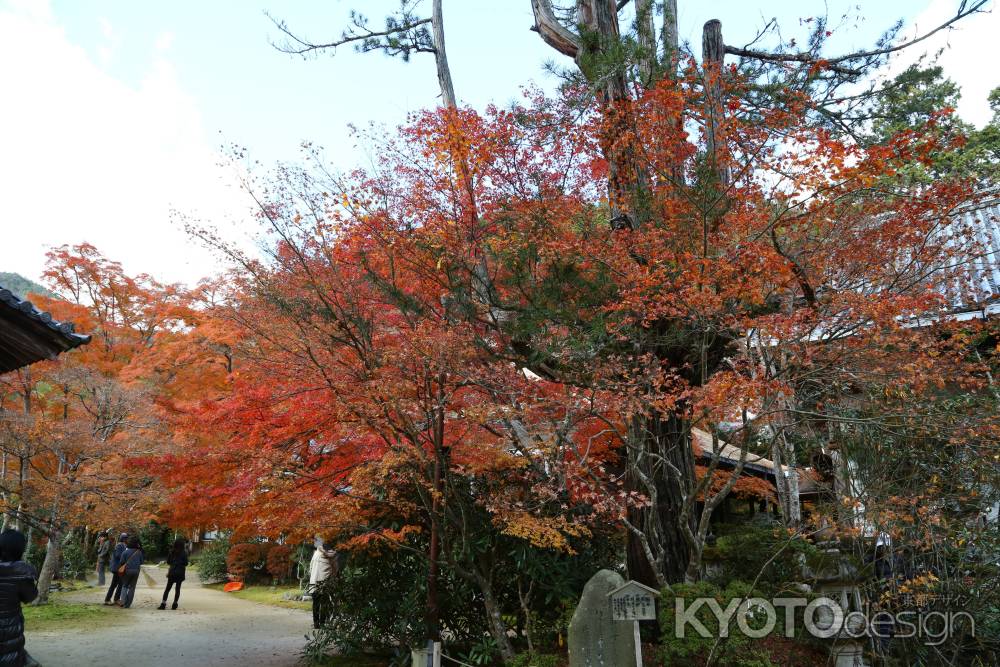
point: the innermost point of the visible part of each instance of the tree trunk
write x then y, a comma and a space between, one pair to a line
645, 29
598, 20
659, 439
783, 453
670, 40
666, 437
433, 613
713, 51
29, 544
524, 597
441, 57
494, 616
52, 555
3, 493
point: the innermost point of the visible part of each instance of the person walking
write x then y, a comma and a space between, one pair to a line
18, 584
177, 559
322, 565
115, 589
131, 566
103, 556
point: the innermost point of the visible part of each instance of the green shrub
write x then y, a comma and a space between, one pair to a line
211, 562
377, 602
692, 649
745, 551
536, 660
75, 563
155, 540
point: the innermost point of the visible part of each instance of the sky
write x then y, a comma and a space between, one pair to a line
116, 115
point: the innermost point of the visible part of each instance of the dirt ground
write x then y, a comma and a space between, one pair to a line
210, 628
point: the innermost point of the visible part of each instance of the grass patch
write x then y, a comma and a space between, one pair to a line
61, 615
272, 595
71, 585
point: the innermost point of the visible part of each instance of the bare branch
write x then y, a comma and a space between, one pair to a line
963, 11
833, 64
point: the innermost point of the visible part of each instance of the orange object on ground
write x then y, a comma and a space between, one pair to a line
233, 586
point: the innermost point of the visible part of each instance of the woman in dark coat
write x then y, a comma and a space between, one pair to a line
132, 560
177, 559
18, 584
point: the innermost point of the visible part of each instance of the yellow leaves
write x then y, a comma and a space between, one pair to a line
545, 533
919, 586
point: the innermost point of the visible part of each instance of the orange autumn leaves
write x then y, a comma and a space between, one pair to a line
466, 304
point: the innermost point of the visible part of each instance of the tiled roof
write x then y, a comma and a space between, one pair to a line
977, 286
28, 335
729, 457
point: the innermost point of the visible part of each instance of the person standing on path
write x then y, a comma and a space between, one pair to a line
18, 584
177, 559
322, 565
131, 562
116, 581
103, 556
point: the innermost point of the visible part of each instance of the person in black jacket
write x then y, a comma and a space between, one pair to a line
18, 584
177, 559
116, 581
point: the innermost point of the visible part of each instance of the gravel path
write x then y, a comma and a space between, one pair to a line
210, 628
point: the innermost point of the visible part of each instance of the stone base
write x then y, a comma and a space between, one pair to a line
848, 654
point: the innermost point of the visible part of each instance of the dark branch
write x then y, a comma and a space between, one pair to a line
800, 275
299, 46
807, 58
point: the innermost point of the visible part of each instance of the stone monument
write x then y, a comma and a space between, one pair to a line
595, 638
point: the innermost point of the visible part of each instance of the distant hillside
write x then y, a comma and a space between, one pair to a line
21, 286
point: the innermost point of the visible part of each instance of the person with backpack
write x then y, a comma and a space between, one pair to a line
103, 556
177, 559
129, 569
116, 581
18, 585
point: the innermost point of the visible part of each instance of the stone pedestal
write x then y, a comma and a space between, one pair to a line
848, 653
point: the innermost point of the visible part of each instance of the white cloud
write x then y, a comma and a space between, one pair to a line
106, 51
164, 41
36, 9
86, 157
966, 58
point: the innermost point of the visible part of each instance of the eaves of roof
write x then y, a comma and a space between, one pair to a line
28, 334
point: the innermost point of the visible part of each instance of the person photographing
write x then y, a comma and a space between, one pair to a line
18, 585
